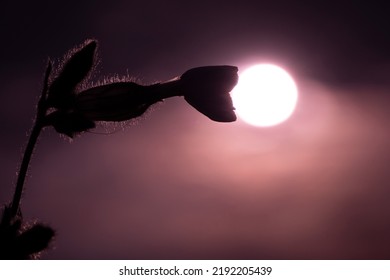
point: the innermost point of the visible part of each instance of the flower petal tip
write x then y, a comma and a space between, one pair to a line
208, 88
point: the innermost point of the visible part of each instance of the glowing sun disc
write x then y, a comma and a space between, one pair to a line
265, 95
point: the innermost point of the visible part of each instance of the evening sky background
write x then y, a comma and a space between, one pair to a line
176, 185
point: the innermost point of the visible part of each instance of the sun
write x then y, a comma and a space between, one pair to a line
265, 95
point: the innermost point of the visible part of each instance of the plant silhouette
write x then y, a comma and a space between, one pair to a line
71, 108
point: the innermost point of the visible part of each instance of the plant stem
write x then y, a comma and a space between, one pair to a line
24, 167
36, 130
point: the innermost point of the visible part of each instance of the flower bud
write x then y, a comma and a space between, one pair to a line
207, 90
117, 101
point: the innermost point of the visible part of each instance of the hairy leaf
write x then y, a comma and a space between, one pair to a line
35, 239
69, 123
74, 71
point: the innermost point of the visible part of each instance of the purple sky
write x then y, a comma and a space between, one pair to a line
176, 185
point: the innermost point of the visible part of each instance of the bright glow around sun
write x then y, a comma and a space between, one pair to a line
265, 95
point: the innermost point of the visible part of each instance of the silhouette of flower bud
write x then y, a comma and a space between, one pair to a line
116, 102
111, 102
74, 71
207, 90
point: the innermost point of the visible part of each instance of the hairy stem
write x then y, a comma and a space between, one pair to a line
36, 130
24, 167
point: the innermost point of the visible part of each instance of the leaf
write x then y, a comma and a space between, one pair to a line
16, 242
35, 239
74, 71
69, 123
